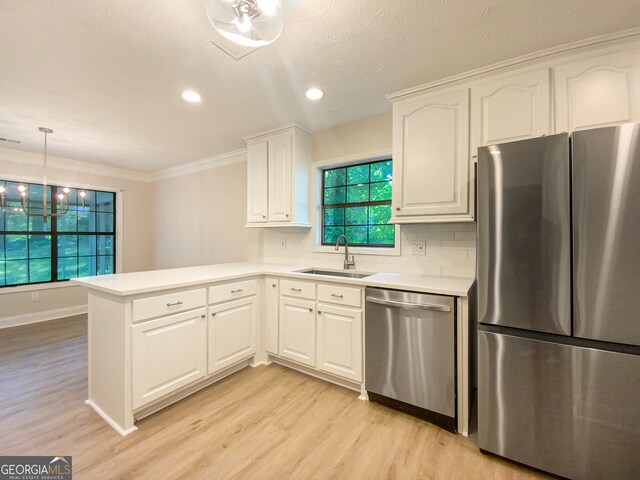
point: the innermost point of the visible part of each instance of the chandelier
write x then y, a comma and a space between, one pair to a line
252, 23
62, 206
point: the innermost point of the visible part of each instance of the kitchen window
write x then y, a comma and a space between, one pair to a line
356, 202
81, 243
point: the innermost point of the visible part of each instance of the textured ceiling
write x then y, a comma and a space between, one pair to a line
107, 75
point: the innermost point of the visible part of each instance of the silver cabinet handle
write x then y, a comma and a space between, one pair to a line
202, 316
236, 291
174, 304
337, 296
319, 312
419, 306
274, 285
213, 314
286, 215
296, 289
474, 156
264, 216
311, 310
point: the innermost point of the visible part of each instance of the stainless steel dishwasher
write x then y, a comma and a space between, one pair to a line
410, 360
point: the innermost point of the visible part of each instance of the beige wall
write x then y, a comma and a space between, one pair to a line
200, 218
137, 234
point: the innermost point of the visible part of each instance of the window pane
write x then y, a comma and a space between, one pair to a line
381, 171
105, 201
40, 270
331, 234
381, 191
68, 246
105, 245
358, 174
39, 246
2, 215
356, 235
68, 222
334, 178
105, 265
16, 247
87, 245
358, 194
16, 272
382, 234
67, 268
86, 266
334, 216
2, 268
37, 223
86, 221
333, 196
379, 214
356, 216
16, 220
104, 222
89, 201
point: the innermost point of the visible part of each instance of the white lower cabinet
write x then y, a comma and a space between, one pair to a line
232, 332
339, 344
270, 314
167, 354
298, 330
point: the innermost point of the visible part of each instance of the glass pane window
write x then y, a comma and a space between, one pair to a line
357, 203
70, 241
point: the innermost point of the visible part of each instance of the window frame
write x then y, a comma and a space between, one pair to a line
318, 194
117, 233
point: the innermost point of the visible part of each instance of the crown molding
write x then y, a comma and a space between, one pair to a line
601, 40
35, 159
228, 158
271, 131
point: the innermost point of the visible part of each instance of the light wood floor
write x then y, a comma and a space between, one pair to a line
262, 423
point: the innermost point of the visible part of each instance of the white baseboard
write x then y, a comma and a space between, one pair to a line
44, 316
109, 420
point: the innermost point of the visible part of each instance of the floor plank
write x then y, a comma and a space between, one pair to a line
268, 422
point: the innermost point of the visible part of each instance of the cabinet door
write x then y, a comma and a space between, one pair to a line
430, 153
232, 332
167, 353
598, 92
509, 109
257, 194
280, 178
340, 341
271, 317
298, 330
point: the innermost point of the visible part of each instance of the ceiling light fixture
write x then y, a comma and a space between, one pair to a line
56, 210
314, 94
252, 23
191, 96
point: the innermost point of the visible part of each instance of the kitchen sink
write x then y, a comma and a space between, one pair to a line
335, 273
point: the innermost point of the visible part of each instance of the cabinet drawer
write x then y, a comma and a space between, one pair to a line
232, 291
340, 295
295, 288
167, 304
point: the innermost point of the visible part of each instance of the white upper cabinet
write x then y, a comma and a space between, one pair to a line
278, 178
598, 92
430, 158
509, 108
257, 192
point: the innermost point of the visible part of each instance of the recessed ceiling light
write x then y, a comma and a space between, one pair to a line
314, 94
191, 96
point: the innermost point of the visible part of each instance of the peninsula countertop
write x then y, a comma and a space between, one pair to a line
125, 284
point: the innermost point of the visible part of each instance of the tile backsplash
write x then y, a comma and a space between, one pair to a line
450, 251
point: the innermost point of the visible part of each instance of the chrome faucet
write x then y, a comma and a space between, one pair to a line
347, 263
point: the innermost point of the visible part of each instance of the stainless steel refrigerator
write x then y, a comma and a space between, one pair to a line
559, 302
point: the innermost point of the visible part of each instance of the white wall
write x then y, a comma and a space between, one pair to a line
200, 218
450, 247
137, 236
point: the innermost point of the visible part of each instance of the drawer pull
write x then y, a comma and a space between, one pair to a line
174, 304
296, 289
202, 316
319, 312
213, 314
337, 296
236, 291
311, 310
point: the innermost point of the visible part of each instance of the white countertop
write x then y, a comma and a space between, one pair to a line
124, 284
